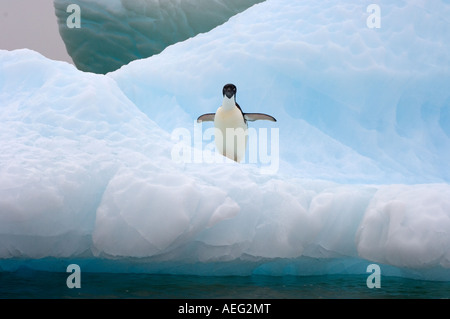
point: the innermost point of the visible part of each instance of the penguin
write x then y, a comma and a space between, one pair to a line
230, 116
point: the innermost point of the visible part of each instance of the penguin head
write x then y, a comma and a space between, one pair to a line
229, 90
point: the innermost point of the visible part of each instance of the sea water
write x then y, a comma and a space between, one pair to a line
32, 284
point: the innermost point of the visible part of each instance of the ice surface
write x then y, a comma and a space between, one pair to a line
87, 169
113, 33
350, 98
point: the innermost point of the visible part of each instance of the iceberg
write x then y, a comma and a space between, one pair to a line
113, 33
87, 165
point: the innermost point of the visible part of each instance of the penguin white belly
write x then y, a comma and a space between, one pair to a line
231, 143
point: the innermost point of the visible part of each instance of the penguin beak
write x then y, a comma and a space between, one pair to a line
229, 93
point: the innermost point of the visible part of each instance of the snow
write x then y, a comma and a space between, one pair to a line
87, 164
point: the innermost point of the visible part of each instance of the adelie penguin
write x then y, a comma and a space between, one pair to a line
230, 116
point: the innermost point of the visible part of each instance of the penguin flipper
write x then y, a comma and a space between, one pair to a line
258, 116
208, 117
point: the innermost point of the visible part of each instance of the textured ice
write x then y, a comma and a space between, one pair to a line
87, 174
115, 32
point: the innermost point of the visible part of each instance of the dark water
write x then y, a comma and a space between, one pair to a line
48, 285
